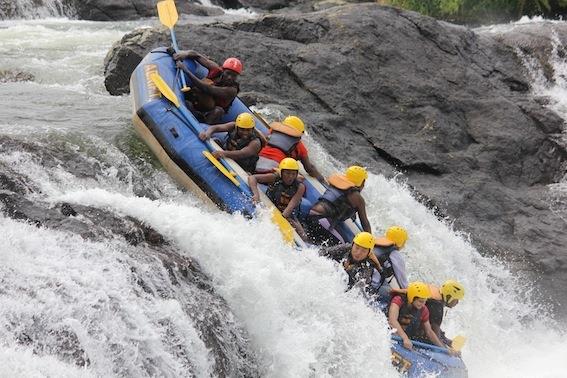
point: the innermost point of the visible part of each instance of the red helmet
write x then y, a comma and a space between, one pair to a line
233, 64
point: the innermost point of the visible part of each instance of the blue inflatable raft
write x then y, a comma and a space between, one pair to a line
171, 132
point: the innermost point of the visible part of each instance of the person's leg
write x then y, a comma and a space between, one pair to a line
317, 233
214, 116
199, 115
298, 228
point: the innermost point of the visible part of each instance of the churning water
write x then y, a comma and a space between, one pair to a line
291, 304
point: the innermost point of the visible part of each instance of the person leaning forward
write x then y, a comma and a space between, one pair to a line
409, 316
357, 258
342, 200
284, 190
285, 141
448, 295
388, 252
210, 98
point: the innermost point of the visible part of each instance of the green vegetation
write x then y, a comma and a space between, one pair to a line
482, 11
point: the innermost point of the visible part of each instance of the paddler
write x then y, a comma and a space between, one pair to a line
357, 258
210, 98
388, 252
409, 316
284, 190
284, 141
242, 143
342, 200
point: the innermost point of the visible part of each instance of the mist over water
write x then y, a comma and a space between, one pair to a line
292, 304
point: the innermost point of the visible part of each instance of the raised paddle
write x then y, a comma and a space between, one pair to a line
167, 13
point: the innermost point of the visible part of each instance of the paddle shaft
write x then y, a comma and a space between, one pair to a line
167, 13
176, 48
419, 344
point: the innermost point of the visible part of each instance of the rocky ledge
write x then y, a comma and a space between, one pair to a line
158, 269
449, 108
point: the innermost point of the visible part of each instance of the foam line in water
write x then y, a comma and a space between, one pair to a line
80, 300
293, 304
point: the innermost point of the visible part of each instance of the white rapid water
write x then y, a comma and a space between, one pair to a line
292, 304
35, 9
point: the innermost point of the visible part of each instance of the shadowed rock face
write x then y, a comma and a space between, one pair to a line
103, 10
157, 268
114, 10
397, 91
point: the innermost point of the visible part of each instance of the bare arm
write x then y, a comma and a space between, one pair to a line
336, 252
191, 54
431, 335
358, 202
222, 92
436, 329
294, 202
252, 149
393, 314
224, 127
253, 181
311, 169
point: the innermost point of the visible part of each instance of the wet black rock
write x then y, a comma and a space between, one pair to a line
540, 45
158, 268
114, 10
10, 9
397, 91
294, 6
7, 76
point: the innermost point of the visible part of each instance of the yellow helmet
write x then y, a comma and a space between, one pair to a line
356, 175
289, 164
398, 235
295, 123
419, 290
452, 289
245, 121
364, 239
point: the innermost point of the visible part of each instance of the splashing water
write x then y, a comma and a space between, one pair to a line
292, 304
35, 9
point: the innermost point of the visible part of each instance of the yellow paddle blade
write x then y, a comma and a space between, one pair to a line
221, 167
458, 343
284, 226
167, 13
164, 88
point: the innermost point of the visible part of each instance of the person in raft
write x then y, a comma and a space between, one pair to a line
448, 295
357, 258
210, 98
388, 252
342, 200
243, 141
408, 316
284, 190
284, 141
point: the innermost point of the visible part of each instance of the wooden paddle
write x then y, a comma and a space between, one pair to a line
167, 13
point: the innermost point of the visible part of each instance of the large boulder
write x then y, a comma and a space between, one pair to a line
159, 272
10, 9
113, 10
397, 91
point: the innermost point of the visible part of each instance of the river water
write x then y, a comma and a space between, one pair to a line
292, 304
